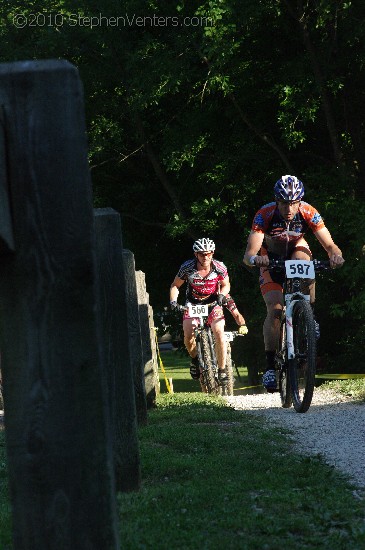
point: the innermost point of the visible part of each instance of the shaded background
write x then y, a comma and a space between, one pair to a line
195, 109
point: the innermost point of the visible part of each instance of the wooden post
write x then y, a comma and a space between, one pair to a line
59, 453
148, 342
118, 365
134, 333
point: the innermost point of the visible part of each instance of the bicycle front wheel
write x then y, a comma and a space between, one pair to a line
303, 366
207, 360
282, 368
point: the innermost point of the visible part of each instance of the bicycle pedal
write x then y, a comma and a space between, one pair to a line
271, 390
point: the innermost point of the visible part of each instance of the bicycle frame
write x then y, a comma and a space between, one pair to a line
296, 353
290, 300
205, 347
205, 342
203, 325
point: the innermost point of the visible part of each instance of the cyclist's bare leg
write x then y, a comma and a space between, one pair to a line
220, 342
189, 338
274, 305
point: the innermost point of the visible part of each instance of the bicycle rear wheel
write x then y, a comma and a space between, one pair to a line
303, 366
228, 388
282, 368
207, 359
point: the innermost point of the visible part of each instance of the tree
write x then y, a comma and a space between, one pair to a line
194, 111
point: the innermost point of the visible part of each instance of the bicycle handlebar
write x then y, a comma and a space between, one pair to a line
318, 264
185, 308
235, 333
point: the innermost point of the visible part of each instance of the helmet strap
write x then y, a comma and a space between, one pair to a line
197, 259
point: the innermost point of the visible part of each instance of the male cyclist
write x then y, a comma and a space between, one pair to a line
278, 232
207, 282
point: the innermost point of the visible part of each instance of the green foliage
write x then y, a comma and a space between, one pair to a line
297, 109
195, 109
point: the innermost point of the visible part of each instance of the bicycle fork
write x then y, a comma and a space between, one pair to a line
197, 334
212, 352
292, 353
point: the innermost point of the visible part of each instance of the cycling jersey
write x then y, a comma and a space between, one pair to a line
202, 289
281, 236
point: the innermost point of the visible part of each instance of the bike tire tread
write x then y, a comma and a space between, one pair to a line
208, 377
302, 312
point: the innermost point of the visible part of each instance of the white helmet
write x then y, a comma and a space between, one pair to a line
204, 245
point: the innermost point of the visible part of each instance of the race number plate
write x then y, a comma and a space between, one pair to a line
299, 268
198, 310
229, 336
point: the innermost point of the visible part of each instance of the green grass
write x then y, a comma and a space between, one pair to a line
176, 365
354, 388
217, 478
214, 478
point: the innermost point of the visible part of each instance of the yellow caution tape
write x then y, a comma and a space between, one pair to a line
248, 387
161, 365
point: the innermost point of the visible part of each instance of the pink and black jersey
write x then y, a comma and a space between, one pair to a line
281, 236
202, 289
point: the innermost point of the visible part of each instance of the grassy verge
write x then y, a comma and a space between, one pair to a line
213, 477
176, 365
353, 388
217, 478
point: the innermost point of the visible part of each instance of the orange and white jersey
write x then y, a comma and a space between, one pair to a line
282, 235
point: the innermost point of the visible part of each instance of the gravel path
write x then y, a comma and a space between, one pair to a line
333, 427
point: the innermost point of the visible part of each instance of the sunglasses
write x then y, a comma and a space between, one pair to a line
289, 203
205, 253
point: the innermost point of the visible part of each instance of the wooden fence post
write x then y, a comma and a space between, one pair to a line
113, 308
59, 452
148, 341
134, 333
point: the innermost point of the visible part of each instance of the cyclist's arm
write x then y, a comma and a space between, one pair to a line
233, 309
174, 288
333, 251
238, 317
225, 286
254, 243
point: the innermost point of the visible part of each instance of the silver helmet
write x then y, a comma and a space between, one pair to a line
289, 188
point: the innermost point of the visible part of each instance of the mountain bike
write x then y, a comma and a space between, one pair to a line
205, 344
296, 354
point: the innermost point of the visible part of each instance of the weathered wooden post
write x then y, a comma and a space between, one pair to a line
148, 341
134, 333
59, 452
118, 366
